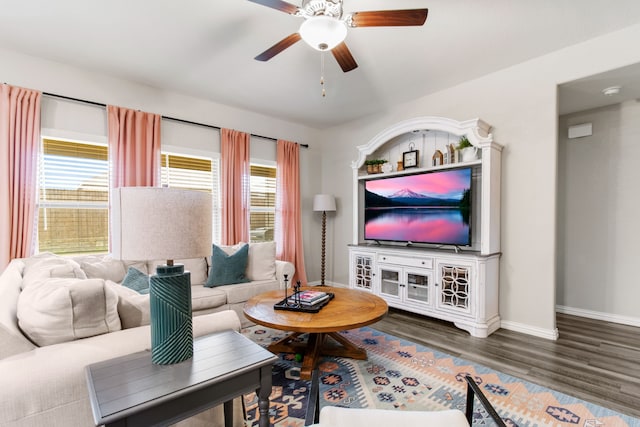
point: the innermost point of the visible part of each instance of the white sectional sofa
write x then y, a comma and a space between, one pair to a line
58, 315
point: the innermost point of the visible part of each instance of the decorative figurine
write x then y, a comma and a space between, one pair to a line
296, 288
437, 159
286, 285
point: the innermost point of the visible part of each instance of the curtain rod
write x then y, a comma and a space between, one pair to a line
99, 104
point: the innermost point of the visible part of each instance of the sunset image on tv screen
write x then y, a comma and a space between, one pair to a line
430, 207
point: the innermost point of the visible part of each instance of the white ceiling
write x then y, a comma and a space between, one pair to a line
206, 48
587, 93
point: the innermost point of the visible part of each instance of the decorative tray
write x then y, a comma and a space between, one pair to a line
284, 305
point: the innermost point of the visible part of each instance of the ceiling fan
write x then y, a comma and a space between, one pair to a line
325, 27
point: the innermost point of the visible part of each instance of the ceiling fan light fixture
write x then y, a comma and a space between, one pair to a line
323, 32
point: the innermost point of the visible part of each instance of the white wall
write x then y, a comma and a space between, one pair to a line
53, 77
598, 228
520, 103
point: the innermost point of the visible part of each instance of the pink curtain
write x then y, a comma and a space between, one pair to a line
288, 214
19, 143
134, 147
236, 175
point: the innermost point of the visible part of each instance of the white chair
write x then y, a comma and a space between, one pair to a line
332, 416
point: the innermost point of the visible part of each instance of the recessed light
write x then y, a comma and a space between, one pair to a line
613, 90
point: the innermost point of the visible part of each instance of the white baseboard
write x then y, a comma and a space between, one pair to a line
607, 317
550, 334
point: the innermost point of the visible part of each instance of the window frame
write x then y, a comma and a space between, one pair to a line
42, 204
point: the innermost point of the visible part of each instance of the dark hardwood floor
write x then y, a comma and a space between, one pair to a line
593, 360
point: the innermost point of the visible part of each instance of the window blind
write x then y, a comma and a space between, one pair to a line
263, 203
195, 173
73, 205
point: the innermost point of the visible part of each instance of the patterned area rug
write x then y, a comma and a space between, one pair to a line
406, 376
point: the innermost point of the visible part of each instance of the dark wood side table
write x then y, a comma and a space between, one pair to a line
131, 391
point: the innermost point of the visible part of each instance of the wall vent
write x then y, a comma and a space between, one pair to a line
578, 131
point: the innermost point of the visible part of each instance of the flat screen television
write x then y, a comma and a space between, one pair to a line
427, 207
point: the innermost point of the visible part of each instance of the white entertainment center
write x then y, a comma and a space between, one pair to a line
458, 284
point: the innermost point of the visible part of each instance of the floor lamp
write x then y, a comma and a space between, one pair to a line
323, 203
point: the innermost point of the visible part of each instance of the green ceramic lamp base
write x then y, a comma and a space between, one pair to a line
171, 323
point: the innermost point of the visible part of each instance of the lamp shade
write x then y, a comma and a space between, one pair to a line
150, 223
324, 202
323, 32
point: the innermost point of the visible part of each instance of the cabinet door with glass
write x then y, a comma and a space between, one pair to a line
362, 270
390, 283
454, 287
418, 285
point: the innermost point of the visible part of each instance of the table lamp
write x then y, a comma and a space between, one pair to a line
150, 223
323, 203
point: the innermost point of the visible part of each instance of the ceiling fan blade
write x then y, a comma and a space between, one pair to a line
280, 5
278, 47
390, 18
344, 57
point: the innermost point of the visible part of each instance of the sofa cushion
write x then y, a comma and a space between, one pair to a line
13, 343
58, 310
46, 265
136, 280
12, 340
68, 271
133, 308
198, 269
203, 298
196, 266
138, 265
242, 292
261, 264
227, 269
107, 269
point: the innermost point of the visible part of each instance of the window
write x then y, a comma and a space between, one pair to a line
263, 203
194, 173
73, 208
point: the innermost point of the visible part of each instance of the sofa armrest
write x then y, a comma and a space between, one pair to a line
282, 268
215, 322
10, 288
11, 338
48, 383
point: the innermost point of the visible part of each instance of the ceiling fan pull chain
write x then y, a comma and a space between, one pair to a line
322, 74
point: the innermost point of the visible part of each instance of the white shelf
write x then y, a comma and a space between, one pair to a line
412, 171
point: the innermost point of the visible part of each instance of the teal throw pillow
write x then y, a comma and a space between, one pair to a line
136, 280
228, 269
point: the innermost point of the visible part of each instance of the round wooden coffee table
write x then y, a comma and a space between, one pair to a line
348, 309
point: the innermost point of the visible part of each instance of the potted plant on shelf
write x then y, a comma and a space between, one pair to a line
468, 152
374, 165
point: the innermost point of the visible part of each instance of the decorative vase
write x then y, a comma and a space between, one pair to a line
469, 154
387, 167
